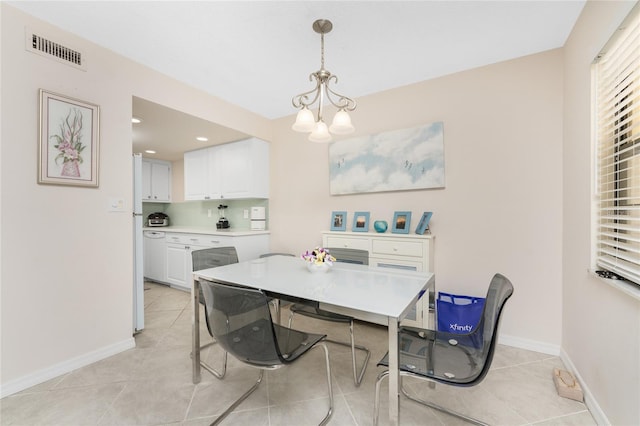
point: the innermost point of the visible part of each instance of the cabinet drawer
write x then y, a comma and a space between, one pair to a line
200, 240
216, 240
185, 239
346, 242
397, 248
407, 265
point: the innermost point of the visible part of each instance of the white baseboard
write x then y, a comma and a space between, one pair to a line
531, 345
64, 367
594, 408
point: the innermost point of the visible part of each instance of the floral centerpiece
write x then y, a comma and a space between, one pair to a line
318, 259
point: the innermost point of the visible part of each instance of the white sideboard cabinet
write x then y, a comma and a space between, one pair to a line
156, 181
403, 251
234, 170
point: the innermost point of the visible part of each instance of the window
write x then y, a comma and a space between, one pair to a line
617, 100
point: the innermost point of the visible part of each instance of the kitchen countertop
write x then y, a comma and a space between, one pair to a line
207, 231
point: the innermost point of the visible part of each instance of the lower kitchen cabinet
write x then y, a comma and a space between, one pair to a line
179, 246
154, 247
400, 251
178, 264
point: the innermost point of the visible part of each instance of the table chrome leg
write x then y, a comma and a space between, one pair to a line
195, 330
394, 373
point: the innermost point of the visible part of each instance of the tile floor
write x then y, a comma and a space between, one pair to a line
151, 385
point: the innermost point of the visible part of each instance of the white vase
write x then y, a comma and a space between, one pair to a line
318, 267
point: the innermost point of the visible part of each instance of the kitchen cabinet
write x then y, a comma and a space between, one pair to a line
179, 247
236, 170
197, 185
156, 181
154, 256
400, 251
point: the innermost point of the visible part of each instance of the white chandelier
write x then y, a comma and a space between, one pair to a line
305, 120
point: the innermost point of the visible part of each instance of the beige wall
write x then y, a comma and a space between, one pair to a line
600, 324
501, 210
66, 277
66, 262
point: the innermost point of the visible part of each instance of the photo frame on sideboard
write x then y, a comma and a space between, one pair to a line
339, 221
401, 222
360, 222
423, 224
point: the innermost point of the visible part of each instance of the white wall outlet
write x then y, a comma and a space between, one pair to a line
209, 213
246, 213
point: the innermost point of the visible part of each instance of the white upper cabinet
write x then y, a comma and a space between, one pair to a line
230, 171
156, 181
196, 175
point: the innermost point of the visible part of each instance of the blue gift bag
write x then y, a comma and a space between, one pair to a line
458, 314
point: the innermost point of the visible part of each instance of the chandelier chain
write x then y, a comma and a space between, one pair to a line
322, 51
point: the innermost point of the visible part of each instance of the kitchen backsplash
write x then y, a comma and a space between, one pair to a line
196, 213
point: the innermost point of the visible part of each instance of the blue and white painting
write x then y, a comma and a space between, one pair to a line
398, 160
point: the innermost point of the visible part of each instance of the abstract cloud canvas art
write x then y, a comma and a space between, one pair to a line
397, 160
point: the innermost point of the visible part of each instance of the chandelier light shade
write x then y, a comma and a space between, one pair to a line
306, 122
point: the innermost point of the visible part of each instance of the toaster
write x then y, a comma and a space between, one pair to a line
158, 219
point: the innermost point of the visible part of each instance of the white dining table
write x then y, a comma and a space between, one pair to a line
384, 292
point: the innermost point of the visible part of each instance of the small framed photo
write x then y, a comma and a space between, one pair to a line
69, 139
423, 225
339, 221
360, 222
401, 222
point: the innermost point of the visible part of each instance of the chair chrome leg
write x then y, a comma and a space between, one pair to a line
376, 405
326, 418
239, 401
357, 377
221, 374
442, 409
217, 374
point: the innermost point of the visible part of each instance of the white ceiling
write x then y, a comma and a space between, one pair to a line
259, 54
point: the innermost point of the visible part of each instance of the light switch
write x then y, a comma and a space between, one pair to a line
116, 205
246, 213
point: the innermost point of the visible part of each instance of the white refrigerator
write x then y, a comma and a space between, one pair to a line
138, 279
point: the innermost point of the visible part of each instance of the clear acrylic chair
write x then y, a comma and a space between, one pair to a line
312, 310
241, 322
451, 359
205, 259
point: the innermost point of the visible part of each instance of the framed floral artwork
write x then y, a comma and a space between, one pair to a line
69, 141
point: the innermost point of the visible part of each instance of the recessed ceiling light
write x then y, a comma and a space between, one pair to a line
202, 139
135, 120
150, 151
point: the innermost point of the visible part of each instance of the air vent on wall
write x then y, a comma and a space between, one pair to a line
45, 47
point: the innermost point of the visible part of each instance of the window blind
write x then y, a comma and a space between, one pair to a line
617, 78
